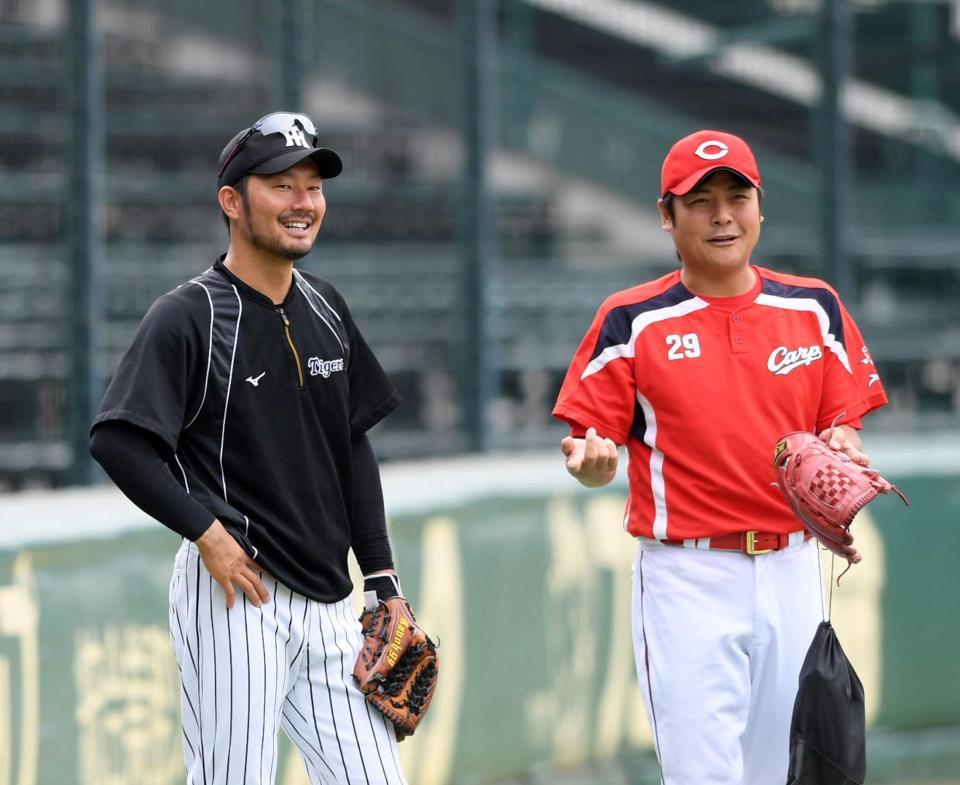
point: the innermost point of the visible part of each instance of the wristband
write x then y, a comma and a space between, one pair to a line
380, 588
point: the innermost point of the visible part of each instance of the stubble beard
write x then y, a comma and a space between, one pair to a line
272, 246
278, 249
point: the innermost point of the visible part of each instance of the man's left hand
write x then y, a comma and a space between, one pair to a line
845, 439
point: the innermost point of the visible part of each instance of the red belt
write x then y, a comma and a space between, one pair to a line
752, 543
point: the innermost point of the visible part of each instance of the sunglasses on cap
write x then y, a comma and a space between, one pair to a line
275, 123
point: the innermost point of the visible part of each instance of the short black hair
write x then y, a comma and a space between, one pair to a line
241, 188
668, 205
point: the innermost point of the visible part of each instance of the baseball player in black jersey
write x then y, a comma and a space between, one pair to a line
238, 418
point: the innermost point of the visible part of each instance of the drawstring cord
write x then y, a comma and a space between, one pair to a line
825, 615
833, 560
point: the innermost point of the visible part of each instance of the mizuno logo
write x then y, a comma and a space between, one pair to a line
783, 360
255, 380
874, 377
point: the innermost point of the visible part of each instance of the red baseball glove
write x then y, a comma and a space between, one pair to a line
397, 666
825, 489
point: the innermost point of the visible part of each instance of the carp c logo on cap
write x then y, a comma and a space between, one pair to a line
697, 155
711, 150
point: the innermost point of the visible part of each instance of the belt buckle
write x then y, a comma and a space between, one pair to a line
752, 549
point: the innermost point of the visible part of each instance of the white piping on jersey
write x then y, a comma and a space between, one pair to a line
811, 305
186, 482
246, 533
226, 402
314, 309
307, 283
637, 326
657, 484
206, 378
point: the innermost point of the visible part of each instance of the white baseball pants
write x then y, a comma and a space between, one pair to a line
719, 639
246, 672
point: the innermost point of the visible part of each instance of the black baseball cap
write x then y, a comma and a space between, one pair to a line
273, 144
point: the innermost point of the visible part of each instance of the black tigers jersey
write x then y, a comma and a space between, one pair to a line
257, 403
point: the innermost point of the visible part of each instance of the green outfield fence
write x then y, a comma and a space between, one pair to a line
525, 579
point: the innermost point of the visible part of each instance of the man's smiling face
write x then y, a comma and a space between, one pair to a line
716, 225
282, 212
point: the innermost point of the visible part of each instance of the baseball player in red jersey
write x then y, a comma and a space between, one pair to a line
699, 373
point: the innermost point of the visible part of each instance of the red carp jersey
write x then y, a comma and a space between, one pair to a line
701, 388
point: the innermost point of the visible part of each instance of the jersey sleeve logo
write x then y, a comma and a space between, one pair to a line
783, 360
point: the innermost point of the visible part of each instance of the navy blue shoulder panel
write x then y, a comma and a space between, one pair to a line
827, 300
618, 323
639, 425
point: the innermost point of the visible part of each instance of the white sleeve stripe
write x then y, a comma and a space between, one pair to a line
811, 305
657, 482
186, 482
226, 402
637, 326
206, 378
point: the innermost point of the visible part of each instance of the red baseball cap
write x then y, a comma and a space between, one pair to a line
695, 156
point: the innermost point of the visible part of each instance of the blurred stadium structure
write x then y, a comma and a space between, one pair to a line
113, 112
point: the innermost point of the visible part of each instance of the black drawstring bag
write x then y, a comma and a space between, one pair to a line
828, 730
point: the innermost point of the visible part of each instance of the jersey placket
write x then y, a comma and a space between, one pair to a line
293, 347
738, 340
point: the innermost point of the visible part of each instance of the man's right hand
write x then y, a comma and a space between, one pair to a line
592, 460
229, 564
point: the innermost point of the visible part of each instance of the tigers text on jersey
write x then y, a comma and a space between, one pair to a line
257, 404
700, 389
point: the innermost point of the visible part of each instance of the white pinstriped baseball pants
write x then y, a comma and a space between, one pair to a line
246, 672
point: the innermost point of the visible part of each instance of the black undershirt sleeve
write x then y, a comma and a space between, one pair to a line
368, 521
133, 458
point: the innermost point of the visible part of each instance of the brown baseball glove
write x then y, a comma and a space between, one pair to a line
825, 489
397, 666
